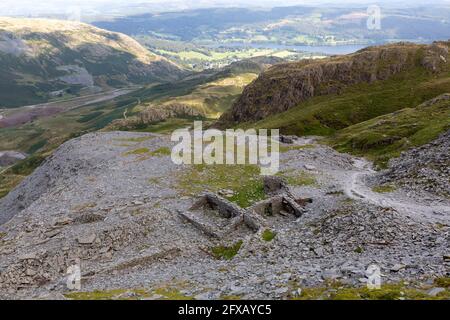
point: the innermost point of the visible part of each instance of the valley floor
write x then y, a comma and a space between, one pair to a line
111, 203
19, 116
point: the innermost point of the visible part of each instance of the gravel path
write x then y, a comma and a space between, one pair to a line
356, 188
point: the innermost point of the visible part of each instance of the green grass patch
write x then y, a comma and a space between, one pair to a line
385, 137
165, 293
90, 116
287, 148
172, 294
244, 180
299, 178
443, 282
268, 235
154, 180
225, 252
163, 151
8, 182
28, 165
387, 292
95, 295
140, 151
37, 146
136, 140
384, 188
359, 250
11, 178
230, 297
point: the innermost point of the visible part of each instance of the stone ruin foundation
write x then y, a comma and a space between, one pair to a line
218, 217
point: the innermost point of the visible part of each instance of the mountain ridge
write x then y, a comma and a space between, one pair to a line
288, 85
42, 59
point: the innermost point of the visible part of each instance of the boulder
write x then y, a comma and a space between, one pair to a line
274, 185
87, 239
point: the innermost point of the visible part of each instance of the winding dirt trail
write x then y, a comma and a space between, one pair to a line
353, 181
356, 188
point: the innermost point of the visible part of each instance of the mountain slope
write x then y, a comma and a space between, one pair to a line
42, 59
297, 84
218, 91
424, 170
293, 25
116, 202
205, 94
387, 136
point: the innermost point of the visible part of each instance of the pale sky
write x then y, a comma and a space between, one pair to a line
89, 7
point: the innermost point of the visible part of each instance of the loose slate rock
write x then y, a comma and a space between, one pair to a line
87, 239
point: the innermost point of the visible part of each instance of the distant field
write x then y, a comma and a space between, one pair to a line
203, 57
213, 98
75, 116
41, 136
21, 115
293, 25
210, 95
232, 54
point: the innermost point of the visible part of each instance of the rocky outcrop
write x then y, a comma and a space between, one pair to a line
435, 55
287, 85
423, 169
8, 158
154, 114
59, 166
438, 99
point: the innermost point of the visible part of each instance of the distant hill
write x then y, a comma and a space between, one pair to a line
339, 97
294, 25
46, 59
300, 84
205, 94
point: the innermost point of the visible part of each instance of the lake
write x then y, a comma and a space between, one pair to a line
326, 49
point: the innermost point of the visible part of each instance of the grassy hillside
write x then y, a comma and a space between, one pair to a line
325, 115
42, 60
291, 85
205, 95
207, 101
377, 119
210, 92
214, 98
387, 136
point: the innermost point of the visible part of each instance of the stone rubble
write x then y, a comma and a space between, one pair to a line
424, 171
120, 219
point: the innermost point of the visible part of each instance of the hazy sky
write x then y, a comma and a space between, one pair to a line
89, 7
